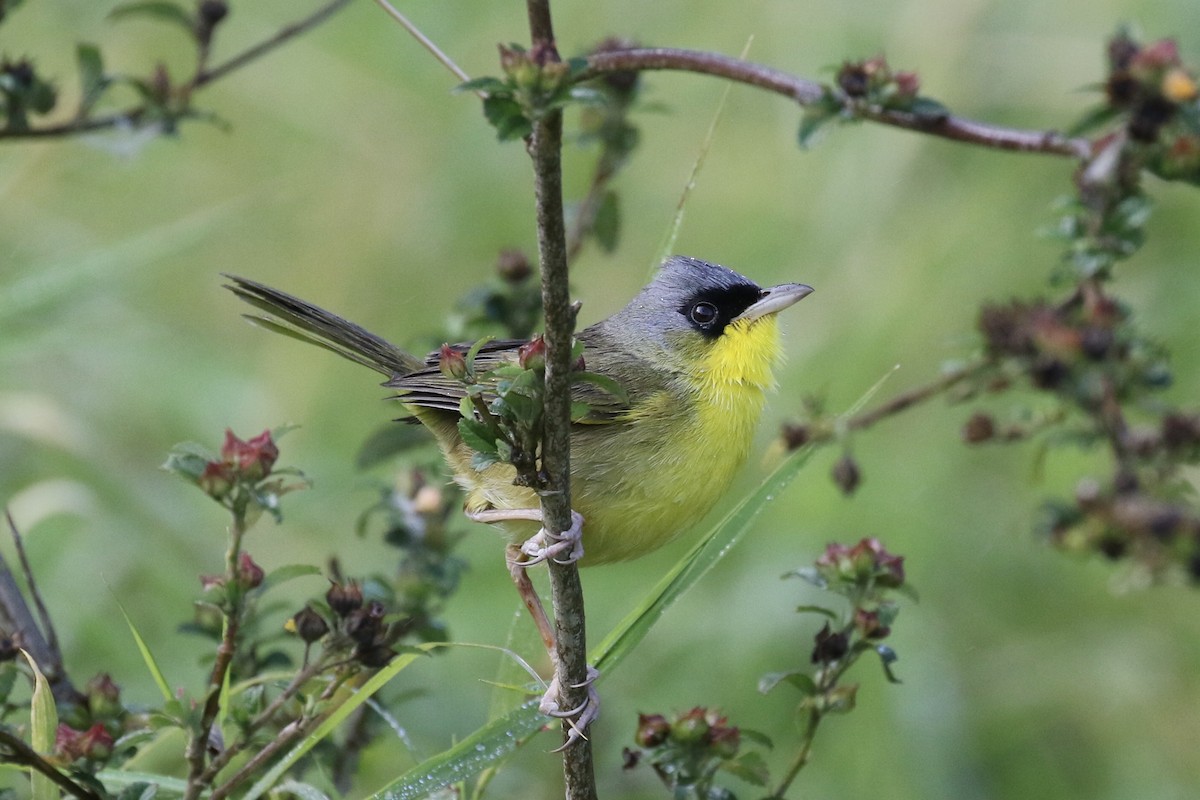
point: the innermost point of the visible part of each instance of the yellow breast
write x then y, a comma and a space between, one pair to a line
641, 482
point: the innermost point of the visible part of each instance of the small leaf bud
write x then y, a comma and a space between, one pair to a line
652, 730
309, 625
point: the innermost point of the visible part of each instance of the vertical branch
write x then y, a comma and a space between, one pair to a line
545, 148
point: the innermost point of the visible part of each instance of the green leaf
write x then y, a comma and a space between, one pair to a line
486, 84
288, 572
1093, 120
138, 791
928, 110
815, 119
507, 117
122, 780
822, 610
188, 460
604, 383
343, 710
809, 575
8, 679
388, 441
501, 736
156, 9
477, 436
147, 657
91, 74
750, 767
303, 791
795, 677
43, 724
606, 226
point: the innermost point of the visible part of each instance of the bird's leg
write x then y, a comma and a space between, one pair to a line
563, 548
538, 548
529, 595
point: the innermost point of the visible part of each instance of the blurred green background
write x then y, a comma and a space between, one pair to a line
353, 177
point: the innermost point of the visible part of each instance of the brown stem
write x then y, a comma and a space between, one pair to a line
912, 397
806, 92
545, 149
901, 402
197, 747
21, 753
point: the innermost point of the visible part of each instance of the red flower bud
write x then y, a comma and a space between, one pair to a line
652, 730
452, 363
249, 574
532, 354
252, 459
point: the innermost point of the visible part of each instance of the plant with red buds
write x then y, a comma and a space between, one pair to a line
243, 477
689, 750
867, 577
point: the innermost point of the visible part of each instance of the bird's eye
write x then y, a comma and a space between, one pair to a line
703, 313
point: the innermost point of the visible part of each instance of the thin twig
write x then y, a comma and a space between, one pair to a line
425, 41
197, 747
822, 432
202, 78
282, 36
914, 396
545, 149
806, 92
22, 753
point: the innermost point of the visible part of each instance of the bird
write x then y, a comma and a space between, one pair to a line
693, 352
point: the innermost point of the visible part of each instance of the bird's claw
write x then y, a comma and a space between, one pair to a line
579, 718
562, 548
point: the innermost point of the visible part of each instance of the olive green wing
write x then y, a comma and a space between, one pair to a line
430, 388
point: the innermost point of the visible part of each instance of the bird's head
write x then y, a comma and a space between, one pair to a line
707, 322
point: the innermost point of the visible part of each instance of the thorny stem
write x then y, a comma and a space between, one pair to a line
545, 149
198, 746
21, 753
202, 78
806, 92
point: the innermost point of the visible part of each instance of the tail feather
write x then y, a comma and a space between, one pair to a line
298, 319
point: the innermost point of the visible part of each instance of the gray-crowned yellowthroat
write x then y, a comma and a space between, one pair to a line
694, 352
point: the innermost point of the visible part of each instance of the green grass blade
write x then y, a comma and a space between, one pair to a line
696, 563
118, 779
43, 723
667, 248
484, 747
502, 736
339, 714
159, 679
